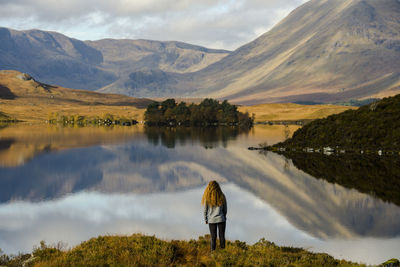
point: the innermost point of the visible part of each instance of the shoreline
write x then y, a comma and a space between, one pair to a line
138, 249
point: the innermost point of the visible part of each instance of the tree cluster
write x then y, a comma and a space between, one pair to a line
374, 126
208, 113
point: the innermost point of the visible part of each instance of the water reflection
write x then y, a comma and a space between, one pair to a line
209, 137
21, 143
136, 185
371, 174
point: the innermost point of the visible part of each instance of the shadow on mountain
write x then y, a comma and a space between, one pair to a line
208, 137
5, 93
371, 174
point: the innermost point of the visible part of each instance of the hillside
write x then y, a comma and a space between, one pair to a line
324, 51
374, 126
23, 98
54, 58
138, 62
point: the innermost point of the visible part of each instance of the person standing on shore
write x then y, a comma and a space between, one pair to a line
215, 209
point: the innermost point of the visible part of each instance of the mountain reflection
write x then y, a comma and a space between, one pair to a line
20, 144
319, 208
209, 137
371, 174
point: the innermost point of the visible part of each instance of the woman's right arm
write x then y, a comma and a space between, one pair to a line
225, 208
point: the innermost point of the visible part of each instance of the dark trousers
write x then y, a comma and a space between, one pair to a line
221, 231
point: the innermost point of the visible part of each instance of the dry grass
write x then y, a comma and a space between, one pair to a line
139, 250
289, 111
34, 101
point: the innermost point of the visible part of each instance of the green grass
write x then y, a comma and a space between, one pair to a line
140, 250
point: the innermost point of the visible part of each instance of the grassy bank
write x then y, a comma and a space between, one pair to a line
291, 112
140, 250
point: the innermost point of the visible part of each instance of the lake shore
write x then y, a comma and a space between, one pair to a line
139, 249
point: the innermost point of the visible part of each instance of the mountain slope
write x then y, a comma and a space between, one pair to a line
138, 62
57, 59
24, 98
330, 47
53, 58
133, 55
323, 51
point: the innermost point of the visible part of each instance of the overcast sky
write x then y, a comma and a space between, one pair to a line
224, 24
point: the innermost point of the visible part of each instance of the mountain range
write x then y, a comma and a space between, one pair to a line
323, 51
57, 59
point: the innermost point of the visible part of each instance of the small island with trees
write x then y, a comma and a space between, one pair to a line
209, 112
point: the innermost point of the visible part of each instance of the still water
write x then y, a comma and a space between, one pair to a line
71, 184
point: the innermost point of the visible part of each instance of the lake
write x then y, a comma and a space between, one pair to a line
71, 184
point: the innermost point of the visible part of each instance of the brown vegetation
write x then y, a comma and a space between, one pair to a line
25, 99
139, 250
290, 111
34, 101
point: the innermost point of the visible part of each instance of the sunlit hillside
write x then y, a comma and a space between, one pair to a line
290, 111
23, 98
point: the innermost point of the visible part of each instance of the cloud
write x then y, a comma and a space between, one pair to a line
213, 23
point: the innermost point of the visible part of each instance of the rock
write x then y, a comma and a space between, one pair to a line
24, 77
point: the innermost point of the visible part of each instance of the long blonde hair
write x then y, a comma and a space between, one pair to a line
213, 195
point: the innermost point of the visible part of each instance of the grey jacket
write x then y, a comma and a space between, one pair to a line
216, 214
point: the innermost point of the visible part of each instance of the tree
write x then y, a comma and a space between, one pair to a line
209, 111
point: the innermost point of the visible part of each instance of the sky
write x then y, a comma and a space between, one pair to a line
224, 24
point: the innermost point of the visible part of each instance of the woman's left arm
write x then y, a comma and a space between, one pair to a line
206, 213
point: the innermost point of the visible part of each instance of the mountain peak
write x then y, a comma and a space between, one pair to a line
322, 51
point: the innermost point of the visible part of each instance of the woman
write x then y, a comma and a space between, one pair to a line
215, 210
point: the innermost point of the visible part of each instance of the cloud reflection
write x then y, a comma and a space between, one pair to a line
316, 207
78, 217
